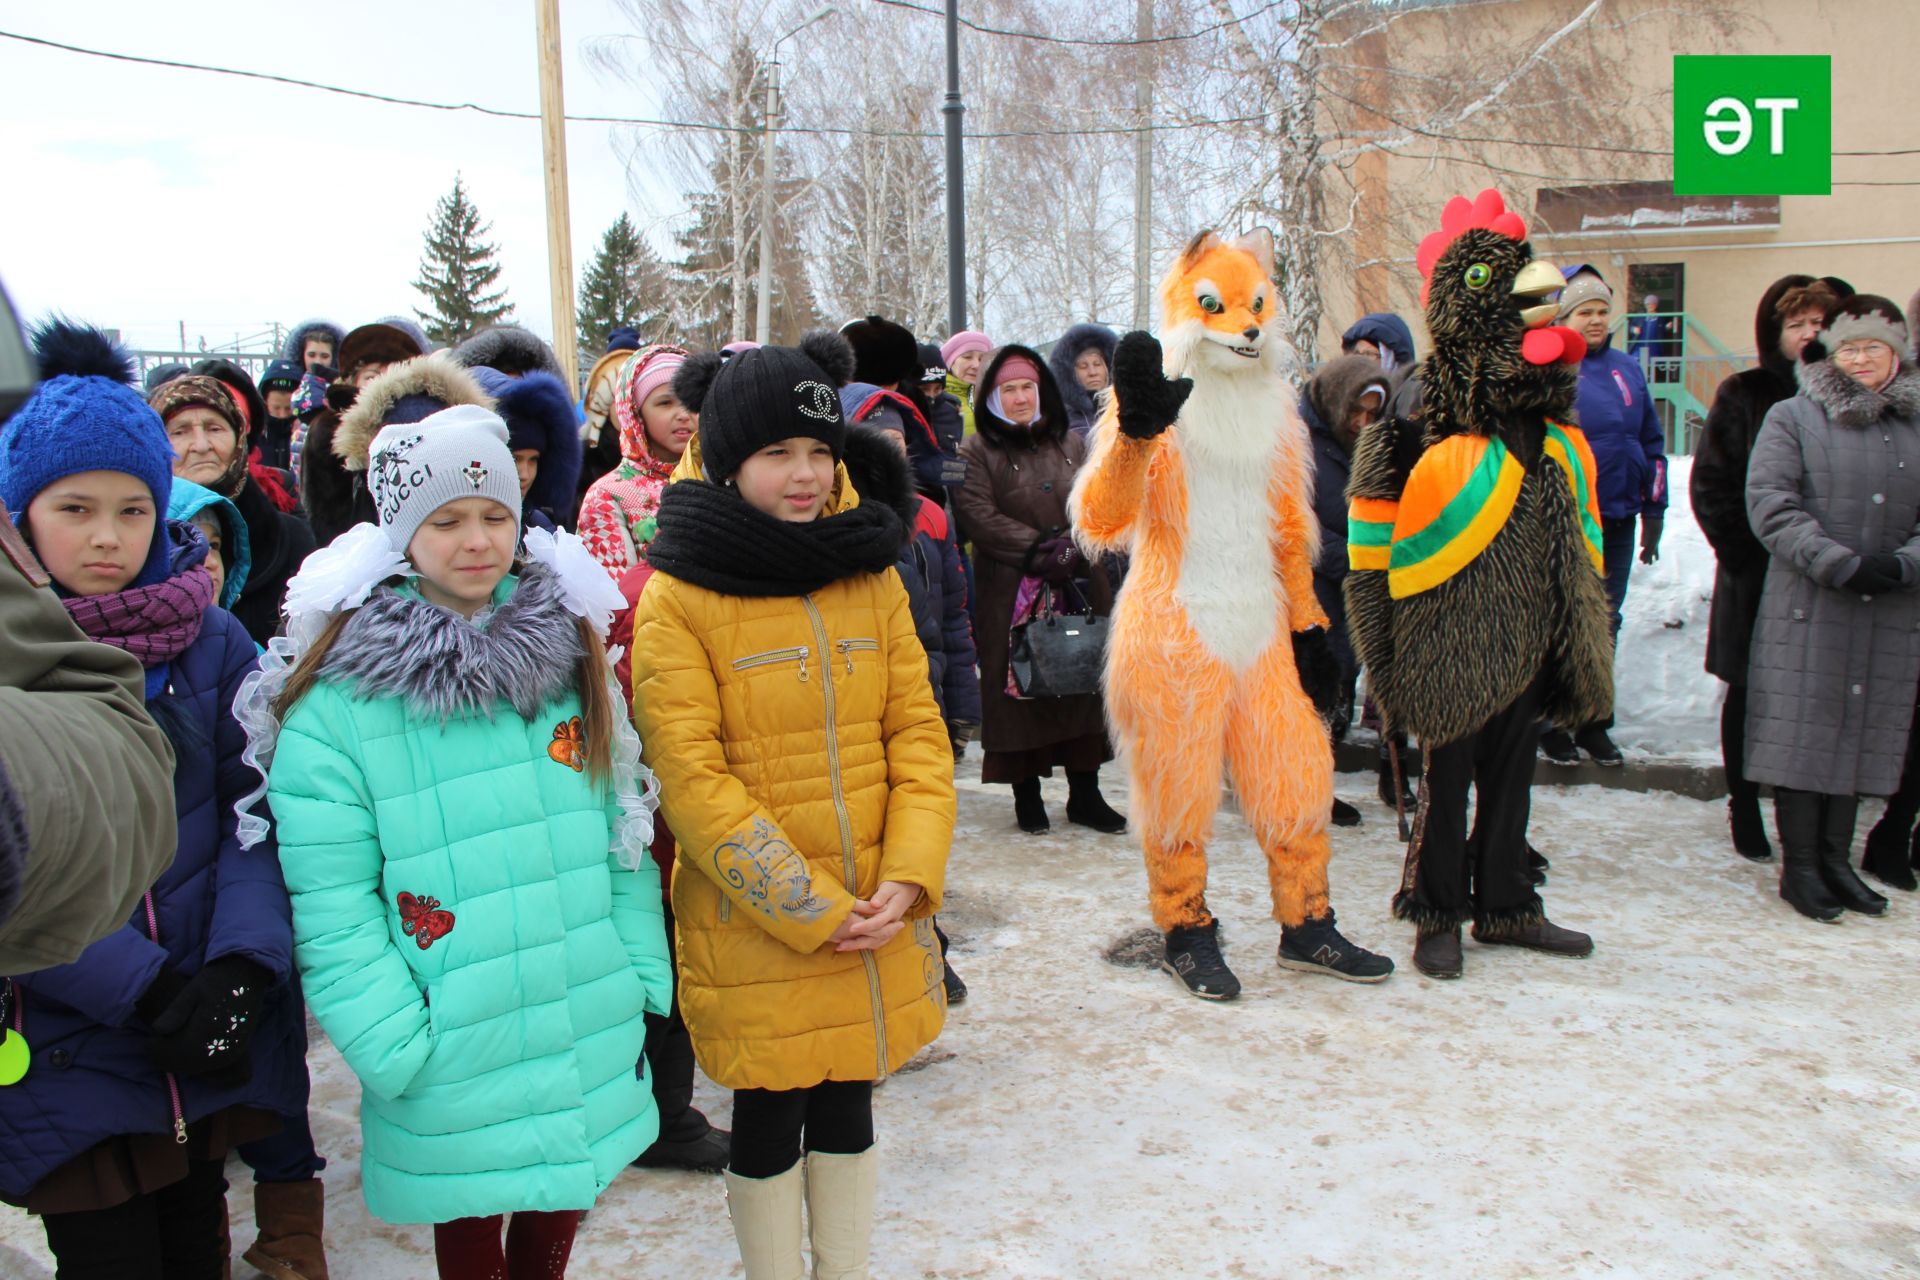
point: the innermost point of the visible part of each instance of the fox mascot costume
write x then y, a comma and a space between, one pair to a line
1200, 471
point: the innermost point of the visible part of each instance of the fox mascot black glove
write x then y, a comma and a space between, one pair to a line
1149, 400
1319, 670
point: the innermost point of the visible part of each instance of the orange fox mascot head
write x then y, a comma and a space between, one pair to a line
1217, 305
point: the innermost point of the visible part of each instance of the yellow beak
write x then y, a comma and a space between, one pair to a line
1536, 280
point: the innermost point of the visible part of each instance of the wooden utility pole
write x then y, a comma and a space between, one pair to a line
553, 137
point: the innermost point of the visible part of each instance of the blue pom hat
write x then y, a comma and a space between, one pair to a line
86, 416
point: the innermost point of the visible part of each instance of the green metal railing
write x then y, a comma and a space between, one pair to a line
1685, 364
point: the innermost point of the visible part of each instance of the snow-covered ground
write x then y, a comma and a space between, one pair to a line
1665, 702
1723, 1090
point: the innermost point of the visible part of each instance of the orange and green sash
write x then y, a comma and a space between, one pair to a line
1459, 497
1568, 446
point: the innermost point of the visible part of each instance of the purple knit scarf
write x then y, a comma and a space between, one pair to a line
155, 624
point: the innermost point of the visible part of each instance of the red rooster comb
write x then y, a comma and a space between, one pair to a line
1487, 212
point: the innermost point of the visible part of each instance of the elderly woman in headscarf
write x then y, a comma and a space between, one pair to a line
206, 423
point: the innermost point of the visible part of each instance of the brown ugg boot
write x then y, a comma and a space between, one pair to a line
290, 1217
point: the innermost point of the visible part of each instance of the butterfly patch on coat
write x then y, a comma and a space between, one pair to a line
569, 745
423, 919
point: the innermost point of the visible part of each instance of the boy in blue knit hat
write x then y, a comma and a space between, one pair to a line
177, 1038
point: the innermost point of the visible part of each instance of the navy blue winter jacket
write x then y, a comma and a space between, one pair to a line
936, 585
89, 1078
1618, 417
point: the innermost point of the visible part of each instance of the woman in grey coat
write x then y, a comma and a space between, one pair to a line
1833, 493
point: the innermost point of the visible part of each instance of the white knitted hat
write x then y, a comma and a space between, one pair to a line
415, 468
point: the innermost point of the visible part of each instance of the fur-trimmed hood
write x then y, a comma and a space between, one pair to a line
296, 344
1849, 403
524, 649
510, 349
1082, 408
435, 377
879, 473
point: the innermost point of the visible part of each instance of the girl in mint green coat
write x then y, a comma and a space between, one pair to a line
475, 920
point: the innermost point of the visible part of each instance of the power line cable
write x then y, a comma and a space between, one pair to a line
1115, 42
705, 126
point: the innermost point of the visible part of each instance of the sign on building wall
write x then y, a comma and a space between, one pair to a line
1753, 126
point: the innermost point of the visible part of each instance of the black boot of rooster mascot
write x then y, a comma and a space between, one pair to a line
1476, 600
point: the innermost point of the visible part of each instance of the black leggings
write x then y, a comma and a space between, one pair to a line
836, 1117
175, 1233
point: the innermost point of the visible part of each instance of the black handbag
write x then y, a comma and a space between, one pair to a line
1055, 654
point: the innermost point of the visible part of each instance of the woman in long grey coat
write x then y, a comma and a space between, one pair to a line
1833, 493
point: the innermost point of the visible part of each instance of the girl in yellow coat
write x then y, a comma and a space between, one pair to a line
806, 774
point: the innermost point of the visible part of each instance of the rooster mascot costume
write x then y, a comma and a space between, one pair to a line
1475, 600
1201, 472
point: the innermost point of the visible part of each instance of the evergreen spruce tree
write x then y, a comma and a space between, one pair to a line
457, 270
625, 284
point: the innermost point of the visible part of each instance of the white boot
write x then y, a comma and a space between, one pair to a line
766, 1224
840, 1191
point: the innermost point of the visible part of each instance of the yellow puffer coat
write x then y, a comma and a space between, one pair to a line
802, 760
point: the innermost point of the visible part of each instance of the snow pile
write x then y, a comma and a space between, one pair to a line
1716, 1092
1665, 703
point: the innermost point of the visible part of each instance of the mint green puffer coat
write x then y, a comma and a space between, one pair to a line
466, 938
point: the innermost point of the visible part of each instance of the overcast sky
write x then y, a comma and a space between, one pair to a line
139, 197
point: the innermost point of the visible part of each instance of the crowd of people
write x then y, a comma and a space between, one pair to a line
542, 748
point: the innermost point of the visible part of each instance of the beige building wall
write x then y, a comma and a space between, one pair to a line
1622, 72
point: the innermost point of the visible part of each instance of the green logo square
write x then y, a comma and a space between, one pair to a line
1752, 126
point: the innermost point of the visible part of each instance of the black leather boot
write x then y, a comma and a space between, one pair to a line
1888, 859
1797, 816
1743, 815
1028, 809
1088, 808
1837, 818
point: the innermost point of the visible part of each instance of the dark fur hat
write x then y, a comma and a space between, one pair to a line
510, 349
885, 353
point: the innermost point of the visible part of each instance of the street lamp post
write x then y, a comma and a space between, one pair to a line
953, 108
763, 304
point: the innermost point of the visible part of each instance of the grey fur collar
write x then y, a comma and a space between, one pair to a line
525, 650
1850, 404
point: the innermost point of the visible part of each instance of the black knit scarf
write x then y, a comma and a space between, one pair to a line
709, 536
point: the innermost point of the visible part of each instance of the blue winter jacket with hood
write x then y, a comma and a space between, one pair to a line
1630, 448
1384, 330
89, 1078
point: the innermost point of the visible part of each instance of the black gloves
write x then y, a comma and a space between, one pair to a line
208, 1020
1877, 573
1319, 670
1149, 401
1651, 527
1057, 560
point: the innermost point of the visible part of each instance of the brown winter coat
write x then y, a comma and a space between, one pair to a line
1015, 497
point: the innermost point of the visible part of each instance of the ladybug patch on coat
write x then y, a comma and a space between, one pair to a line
423, 919
569, 745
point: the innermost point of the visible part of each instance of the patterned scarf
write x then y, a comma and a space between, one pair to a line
156, 623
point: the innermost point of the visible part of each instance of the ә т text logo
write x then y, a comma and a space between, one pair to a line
1752, 126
